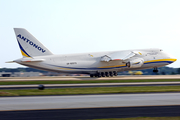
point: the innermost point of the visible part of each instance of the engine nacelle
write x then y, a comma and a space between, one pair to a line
135, 63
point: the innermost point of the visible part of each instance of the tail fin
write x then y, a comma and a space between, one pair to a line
29, 45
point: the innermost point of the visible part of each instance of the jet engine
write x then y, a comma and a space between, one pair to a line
135, 63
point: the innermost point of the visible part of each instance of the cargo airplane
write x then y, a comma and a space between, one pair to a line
96, 64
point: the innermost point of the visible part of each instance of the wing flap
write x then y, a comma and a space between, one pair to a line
118, 56
129, 56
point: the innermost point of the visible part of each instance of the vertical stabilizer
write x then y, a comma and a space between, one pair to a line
29, 45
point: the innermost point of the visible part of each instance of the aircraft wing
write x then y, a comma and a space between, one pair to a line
118, 56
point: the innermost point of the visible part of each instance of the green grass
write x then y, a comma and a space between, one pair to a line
96, 90
144, 118
83, 81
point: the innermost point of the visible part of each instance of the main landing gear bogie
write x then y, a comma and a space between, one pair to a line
104, 74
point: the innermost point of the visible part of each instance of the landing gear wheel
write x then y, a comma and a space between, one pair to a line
107, 74
99, 74
103, 74
95, 75
111, 74
91, 75
115, 73
155, 70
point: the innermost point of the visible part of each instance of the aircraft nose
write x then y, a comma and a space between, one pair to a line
171, 58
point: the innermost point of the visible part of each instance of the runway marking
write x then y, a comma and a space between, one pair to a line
129, 77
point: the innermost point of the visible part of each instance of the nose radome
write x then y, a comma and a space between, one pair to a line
171, 57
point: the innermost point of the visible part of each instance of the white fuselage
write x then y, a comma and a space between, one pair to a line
90, 63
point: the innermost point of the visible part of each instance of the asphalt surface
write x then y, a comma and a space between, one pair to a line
88, 101
90, 106
92, 113
9, 87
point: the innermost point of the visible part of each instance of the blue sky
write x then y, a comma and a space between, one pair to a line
79, 26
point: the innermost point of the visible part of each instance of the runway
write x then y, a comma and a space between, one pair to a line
88, 101
85, 85
90, 106
127, 77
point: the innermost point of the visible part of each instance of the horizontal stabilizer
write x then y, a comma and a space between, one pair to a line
32, 60
10, 62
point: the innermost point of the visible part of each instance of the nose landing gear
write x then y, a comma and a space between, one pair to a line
155, 70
